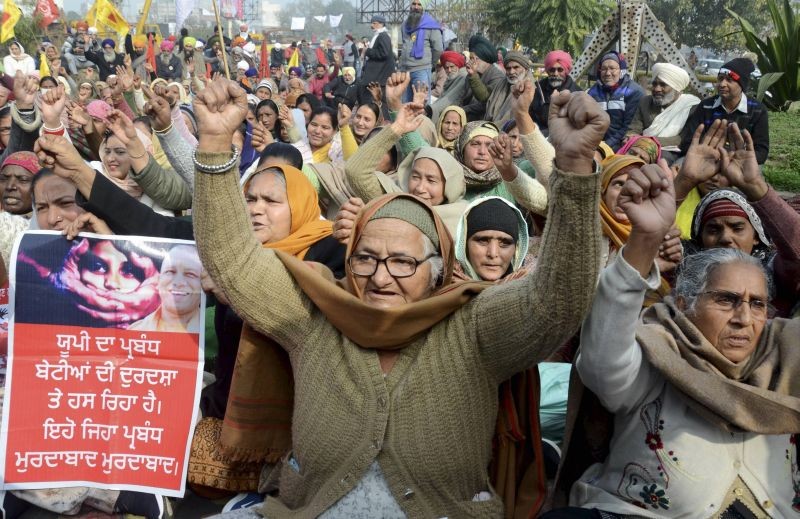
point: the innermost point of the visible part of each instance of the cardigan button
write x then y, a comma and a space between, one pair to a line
408, 494
382, 402
767, 504
738, 491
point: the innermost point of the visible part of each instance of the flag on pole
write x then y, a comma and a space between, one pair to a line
263, 65
321, 19
335, 19
298, 24
151, 52
44, 66
11, 14
294, 59
107, 16
48, 11
183, 8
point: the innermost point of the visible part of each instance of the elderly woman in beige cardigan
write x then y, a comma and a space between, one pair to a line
396, 373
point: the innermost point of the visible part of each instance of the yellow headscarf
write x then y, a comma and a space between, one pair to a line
444, 143
614, 166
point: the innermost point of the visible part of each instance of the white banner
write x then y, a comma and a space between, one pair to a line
335, 20
183, 8
298, 24
321, 19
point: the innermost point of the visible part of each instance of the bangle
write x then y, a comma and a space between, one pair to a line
165, 130
205, 168
53, 131
139, 156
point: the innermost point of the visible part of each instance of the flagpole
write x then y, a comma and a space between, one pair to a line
221, 39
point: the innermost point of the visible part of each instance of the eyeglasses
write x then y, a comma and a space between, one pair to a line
553, 70
365, 265
730, 301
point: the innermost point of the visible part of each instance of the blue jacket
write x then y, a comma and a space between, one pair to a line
620, 103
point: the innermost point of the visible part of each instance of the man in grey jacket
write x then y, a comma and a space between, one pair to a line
422, 46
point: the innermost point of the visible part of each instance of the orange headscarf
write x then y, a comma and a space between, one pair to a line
307, 225
614, 166
616, 231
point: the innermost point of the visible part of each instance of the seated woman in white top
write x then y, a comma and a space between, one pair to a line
703, 388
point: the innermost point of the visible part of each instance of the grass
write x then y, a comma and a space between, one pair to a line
782, 168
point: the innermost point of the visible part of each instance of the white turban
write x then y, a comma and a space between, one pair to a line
242, 65
249, 48
672, 75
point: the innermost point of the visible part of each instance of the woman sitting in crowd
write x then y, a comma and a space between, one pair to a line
365, 119
451, 122
747, 221
703, 388
398, 258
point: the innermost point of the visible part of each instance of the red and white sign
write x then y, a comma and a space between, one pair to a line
100, 406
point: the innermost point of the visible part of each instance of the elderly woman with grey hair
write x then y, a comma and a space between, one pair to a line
396, 369
703, 389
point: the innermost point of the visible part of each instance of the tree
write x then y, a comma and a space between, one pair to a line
778, 54
706, 23
547, 24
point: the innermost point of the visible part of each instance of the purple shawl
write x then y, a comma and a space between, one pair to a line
426, 22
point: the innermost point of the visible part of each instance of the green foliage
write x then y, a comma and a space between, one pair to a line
777, 53
705, 23
782, 169
28, 34
547, 24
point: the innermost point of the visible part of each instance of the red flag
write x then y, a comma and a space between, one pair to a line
48, 11
151, 52
322, 58
263, 68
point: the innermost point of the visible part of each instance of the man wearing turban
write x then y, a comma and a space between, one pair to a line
193, 58
168, 65
481, 75
664, 112
557, 64
456, 90
106, 58
422, 46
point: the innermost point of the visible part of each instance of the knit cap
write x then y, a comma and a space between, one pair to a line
493, 215
739, 69
616, 56
412, 212
483, 48
518, 57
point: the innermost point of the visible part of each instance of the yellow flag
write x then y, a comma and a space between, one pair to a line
294, 60
107, 15
11, 14
44, 66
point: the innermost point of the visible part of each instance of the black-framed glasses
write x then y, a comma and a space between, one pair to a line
365, 265
730, 301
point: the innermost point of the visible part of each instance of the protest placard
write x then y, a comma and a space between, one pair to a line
104, 363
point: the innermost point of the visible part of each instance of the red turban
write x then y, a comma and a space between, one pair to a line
558, 56
456, 58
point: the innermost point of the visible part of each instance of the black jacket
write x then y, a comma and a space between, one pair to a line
342, 93
380, 61
540, 107
104, 68
754, 121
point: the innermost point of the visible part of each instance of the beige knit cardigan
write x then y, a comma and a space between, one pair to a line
429, 423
